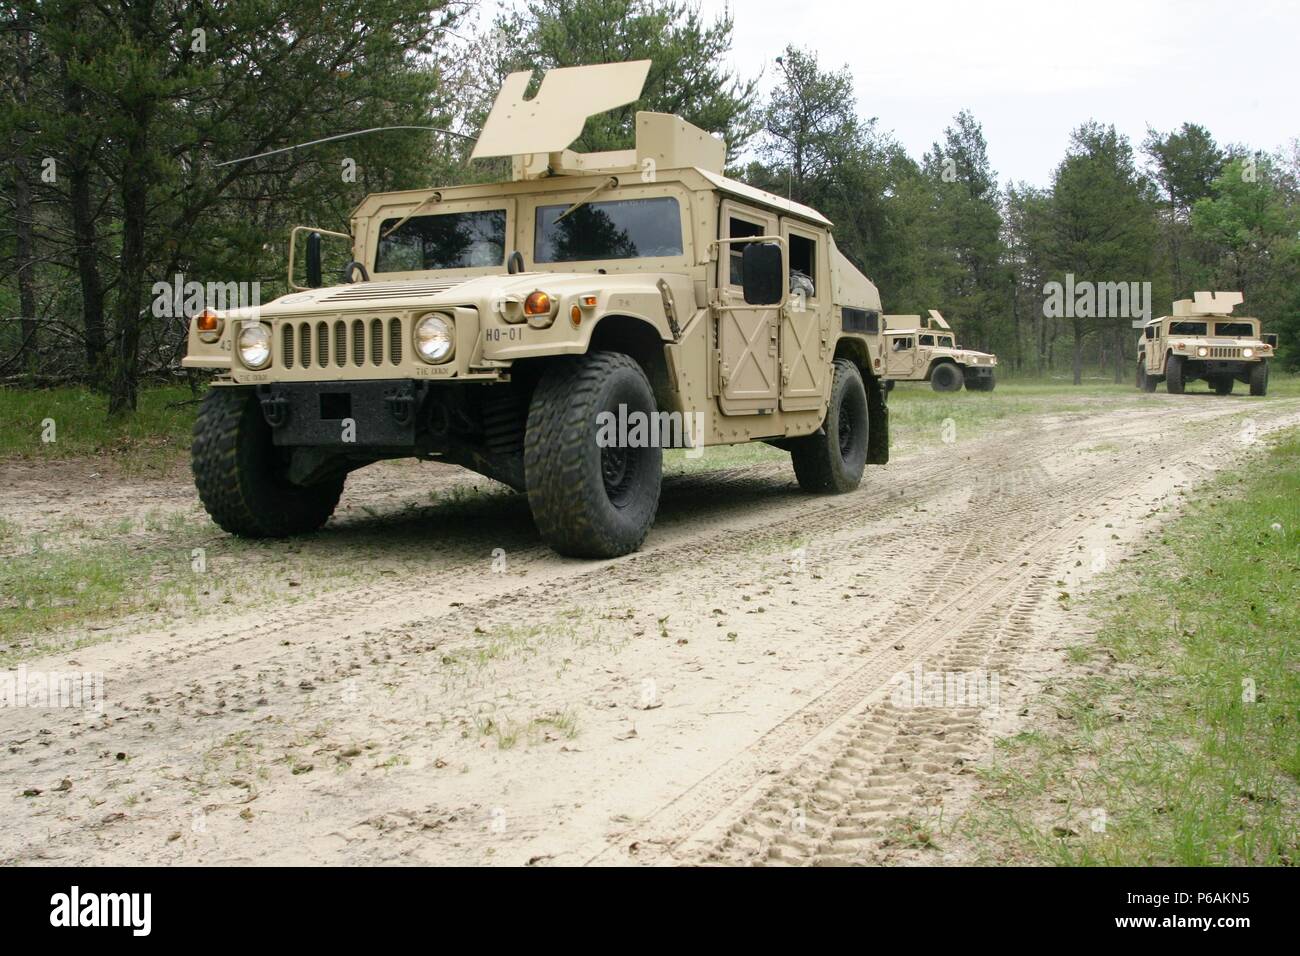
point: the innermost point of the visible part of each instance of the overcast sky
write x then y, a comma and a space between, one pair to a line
1032, 71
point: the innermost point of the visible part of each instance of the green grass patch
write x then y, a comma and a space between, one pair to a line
1183, 745
920, 416
44, 589
73, 422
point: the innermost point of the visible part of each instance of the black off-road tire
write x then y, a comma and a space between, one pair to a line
1146, 382
946, 377
1259, 379
980, 383
240, 473
1222, 385
588, 501
831, 460
1174, 383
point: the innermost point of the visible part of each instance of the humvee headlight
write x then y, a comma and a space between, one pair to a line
433, 338
1247, 353
1202, 351
255, 345
208, 324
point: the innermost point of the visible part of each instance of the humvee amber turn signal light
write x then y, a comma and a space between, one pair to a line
537, 303
208, 325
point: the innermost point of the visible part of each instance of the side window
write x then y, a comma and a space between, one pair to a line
901, 344
1151, 331
946, 341
738, 229
803, 265
613, 229
927, 339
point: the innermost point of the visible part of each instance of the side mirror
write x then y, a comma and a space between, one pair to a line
1269, 338
313, 261
762, 271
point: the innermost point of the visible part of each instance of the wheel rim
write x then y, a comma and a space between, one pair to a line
846, 433
618, 470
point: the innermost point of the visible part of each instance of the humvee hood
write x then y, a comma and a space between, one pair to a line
1218, 341
419, 293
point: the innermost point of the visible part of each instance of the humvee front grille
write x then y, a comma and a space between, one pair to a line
342, 344
395, 341
1224, 351
358, 343
322, 344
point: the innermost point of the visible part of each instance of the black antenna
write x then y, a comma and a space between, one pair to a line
330, 139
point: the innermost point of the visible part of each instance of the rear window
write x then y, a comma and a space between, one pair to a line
1187, 328
618, 229
453, 240
1233, 328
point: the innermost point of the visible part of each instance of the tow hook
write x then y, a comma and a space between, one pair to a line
400, 403
275, 406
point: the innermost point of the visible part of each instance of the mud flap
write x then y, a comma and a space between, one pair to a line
878, 421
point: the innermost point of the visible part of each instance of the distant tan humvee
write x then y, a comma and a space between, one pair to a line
920, 350
554, 332
1202, 339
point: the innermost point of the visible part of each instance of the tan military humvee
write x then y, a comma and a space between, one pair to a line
921, 350
554, 332
1203, 340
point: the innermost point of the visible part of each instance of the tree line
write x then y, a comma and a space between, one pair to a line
117, 116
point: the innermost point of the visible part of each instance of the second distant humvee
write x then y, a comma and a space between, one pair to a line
1203, 340
554, 332
921, 350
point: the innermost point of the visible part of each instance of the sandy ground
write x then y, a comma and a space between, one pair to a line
728, 694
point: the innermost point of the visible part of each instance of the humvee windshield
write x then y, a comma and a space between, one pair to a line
455, 240
1233, 328
617, 229
1187, 328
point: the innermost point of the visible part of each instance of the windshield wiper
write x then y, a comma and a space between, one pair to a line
434, 199
607, 184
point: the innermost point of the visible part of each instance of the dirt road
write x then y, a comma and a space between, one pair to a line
730, 693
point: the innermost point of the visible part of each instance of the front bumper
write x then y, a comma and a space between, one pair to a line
344, 414
1201, 366
978, 371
